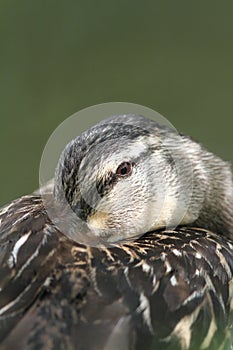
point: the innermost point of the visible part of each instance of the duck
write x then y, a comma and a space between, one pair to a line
129, 247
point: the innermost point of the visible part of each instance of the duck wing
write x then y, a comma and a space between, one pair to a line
166, 290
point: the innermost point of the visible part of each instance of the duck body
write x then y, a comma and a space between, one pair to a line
165, 290
158, 272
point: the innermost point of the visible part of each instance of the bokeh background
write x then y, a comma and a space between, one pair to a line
57, 57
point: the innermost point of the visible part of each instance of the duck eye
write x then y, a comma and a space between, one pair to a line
124, 169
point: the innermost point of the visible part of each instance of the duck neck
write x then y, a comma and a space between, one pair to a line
213, 177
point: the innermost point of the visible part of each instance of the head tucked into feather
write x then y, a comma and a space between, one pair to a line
128, 175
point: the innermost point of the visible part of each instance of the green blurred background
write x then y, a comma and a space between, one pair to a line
57, 57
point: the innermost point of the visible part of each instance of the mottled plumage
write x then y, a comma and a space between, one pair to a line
167, 290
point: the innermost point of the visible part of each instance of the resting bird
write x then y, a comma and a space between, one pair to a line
155, 210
